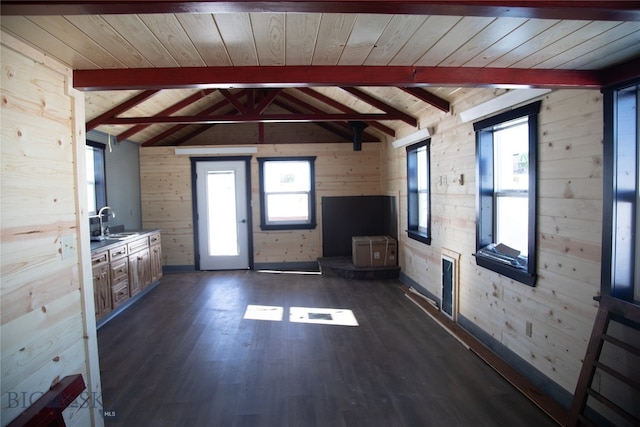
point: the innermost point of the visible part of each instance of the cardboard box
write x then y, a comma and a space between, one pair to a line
374, 251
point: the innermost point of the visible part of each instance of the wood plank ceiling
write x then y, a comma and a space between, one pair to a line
160, 73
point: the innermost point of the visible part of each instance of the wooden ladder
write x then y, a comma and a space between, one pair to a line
616, 402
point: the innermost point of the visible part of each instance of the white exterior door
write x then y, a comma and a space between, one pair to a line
222, 215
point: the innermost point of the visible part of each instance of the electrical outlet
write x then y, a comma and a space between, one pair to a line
529, 330
67, 246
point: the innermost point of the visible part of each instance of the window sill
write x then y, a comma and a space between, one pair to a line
421, 237
516, 274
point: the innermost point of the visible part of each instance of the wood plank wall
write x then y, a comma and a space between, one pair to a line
43, 326
560, 307
167, 203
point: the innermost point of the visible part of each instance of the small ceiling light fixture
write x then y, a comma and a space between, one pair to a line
506, 100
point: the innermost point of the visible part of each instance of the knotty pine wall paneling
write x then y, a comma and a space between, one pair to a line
167, 201
45, 293
560, 307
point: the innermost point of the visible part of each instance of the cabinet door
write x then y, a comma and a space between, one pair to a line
145, 267
139, 271
135, 286
156, 262
102, 291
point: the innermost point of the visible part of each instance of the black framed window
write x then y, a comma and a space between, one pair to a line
419, 192
621, 201
506, 155
96, 182
287, 193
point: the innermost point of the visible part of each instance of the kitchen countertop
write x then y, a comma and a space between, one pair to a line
117, 241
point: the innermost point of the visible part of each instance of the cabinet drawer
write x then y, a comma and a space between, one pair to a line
138, 245
117, 252
119, 270
154, 239
99, 258
120, 293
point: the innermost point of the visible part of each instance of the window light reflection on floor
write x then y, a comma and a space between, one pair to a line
323, 316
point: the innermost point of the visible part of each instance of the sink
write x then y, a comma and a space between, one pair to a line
122, 235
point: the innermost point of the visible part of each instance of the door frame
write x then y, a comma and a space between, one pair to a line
194, 198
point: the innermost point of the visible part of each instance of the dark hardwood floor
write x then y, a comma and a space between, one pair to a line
184, 356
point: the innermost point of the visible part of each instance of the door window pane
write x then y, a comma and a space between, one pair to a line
223, 230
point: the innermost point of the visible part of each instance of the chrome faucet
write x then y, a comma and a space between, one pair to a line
113, 215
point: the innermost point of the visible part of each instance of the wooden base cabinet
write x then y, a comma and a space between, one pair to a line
123, 269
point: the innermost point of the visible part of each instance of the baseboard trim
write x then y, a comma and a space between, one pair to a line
524, 368
178, 268
540, 389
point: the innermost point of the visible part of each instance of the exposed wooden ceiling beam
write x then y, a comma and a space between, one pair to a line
429, 98
578, 9
411, 121
167, 111
267, 100
173, 129
340, 107
233, 100
621, 73
344, 132
121, 108
252, 118
308, 76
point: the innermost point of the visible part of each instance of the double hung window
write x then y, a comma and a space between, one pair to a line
506, 149
287, 193
418, 192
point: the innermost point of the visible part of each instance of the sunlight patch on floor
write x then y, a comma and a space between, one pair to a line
324, 316
264, 312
